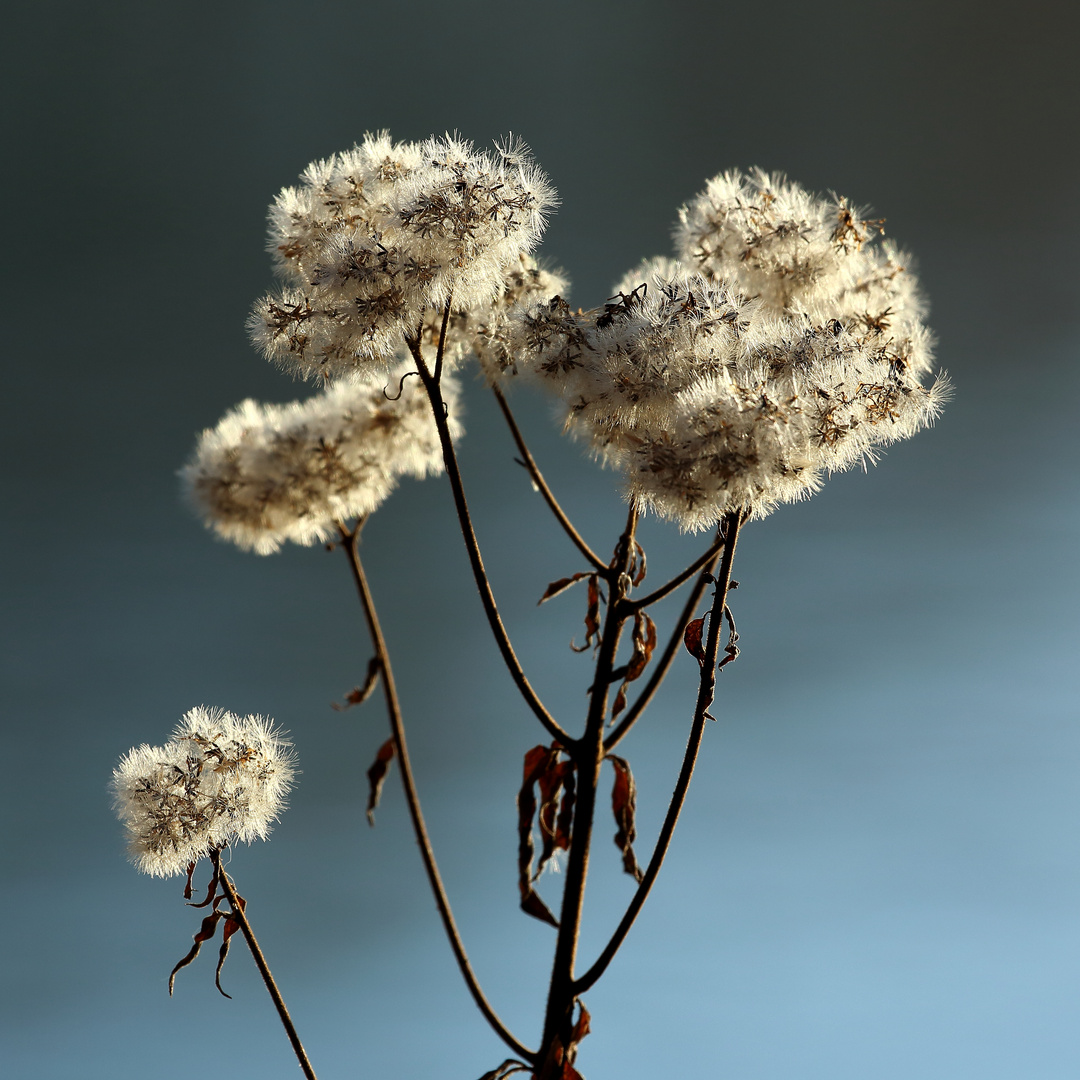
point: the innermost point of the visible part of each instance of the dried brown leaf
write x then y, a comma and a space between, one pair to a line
538, 761
206, 932
692, 639
507, 1068
561, 585
377, 776
359, 694
623, 806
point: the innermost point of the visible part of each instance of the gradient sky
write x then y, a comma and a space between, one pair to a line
877, 873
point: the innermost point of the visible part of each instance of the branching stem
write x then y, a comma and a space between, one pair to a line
706, 691
487, 598
238, 914
698, 564
397, 727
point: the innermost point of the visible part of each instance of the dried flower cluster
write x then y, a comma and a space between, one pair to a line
221, 778
780, 346
376, 239
271, 473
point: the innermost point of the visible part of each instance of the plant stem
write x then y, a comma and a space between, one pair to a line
427, 853
538, 480
260, 962
706, 691
663, 665
487, 598
588, 755
698, 564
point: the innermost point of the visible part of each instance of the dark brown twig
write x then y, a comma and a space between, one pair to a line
476, 561
698, 564
706, 690
238, 915
538, 480
427, 853
588, 753
663, 665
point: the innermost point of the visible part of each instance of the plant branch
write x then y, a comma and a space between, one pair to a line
663, 665
538, 480
698, 564
487, 598
706, 691
238, 914
589, 756
397, 727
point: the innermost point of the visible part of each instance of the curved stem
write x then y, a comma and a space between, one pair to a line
487, 598
664, 663
238, 914
698, 564
538, 480
397, 727
706, 690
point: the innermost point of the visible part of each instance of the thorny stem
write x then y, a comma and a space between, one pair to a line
237, 913
663, 665
538, 480
588, 755
475, 559
706, 691
698, 564
397, 727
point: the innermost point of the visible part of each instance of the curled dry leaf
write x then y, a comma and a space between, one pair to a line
623, 806
538, 761
507, 1068
644, 644
562, 585
692, 639
359, 694
592, 616
377, 776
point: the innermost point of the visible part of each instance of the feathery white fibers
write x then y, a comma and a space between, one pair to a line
711, 399
376, 237
271, 473
220, 779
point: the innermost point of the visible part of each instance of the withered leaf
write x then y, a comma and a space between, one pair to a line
592, 615
227, 931
561, 585
206, 932
644, 643
692, 639
623, 806
538, 761
638, 567
731, 649
359, 694
377, 776
581, 1025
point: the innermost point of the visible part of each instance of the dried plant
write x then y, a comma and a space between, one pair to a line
781, 343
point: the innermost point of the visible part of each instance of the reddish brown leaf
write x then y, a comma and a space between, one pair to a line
581, 1026
359, 694
638, 567
206, 932
561, 585
187, 884
692, 639
550, 783
566, 811
623, 805
377, 776
537, 762
644, 642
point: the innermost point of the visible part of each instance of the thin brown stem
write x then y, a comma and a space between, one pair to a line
698, 564
239, 916
588, 756
476, 561
706, 691
663, 665
538, 479
427, 853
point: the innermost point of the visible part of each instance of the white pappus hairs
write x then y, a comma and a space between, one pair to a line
221, 778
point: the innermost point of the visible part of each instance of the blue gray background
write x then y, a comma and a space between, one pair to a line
877, 874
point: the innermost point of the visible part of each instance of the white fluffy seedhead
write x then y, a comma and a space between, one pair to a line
271, 473
709, 401
221, 778
376, 238
772, 238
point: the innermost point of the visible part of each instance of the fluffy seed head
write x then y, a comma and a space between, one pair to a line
221, 778
374, 238
271, 473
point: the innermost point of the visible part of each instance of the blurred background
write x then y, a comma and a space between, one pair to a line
877, 872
